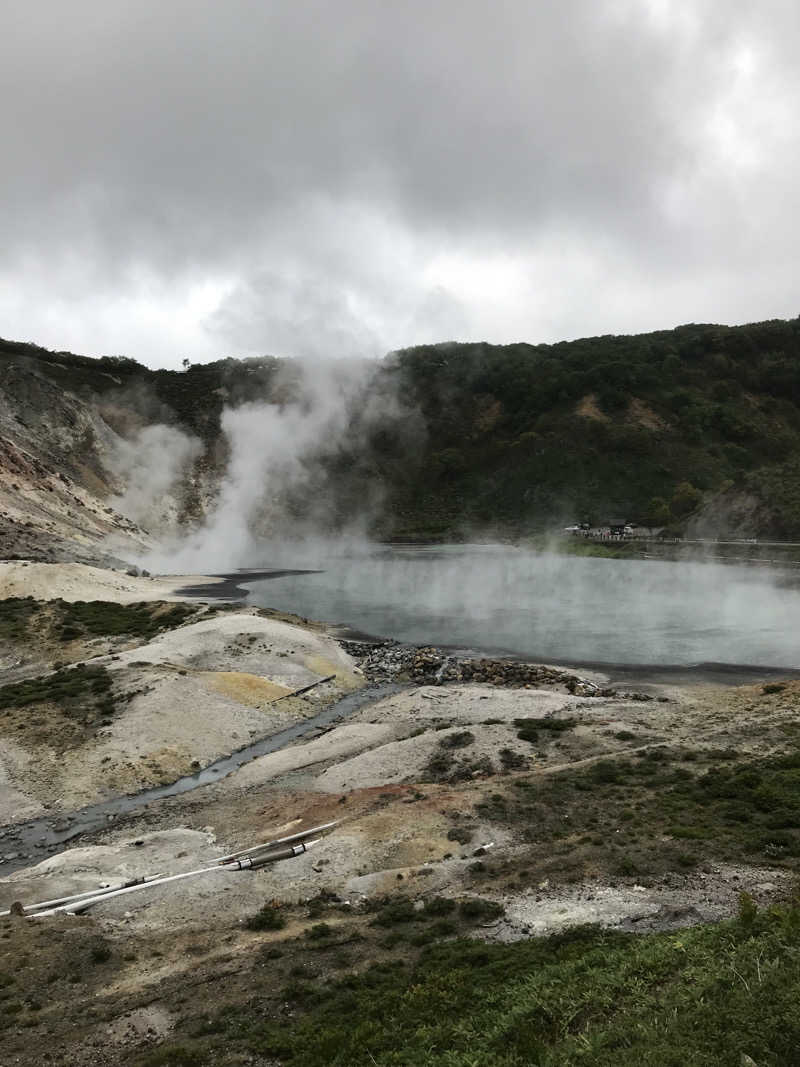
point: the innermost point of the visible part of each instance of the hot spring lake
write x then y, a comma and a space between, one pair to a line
552, 607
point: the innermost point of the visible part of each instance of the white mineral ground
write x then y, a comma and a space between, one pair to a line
77, 581
209, 686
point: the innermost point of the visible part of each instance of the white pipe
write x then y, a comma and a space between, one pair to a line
100, 891
81, 905
244, 863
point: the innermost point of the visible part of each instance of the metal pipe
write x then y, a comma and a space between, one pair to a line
100, 891
279, 841
252, 863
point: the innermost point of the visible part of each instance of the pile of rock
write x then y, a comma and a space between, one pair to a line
390, 661
433, 665
387, 661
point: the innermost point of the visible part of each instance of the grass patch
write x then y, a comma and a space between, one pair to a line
174, 1056
76, 690
511, 760
654, 806
65, 621
460, 739
703, 996
439, 906
528, 729
319, 931
268, 917
444, 767
393, 912
15, 613
476, 909
102, 618
461, 834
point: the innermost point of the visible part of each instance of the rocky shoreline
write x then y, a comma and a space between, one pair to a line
384, 661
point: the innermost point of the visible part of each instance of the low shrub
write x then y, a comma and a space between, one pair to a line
511, 760
15, 613
397, 911
460, 834
439, 906
319, 931
460, 739
74, 689
477, 909
528, 728
174, 1056
268, 917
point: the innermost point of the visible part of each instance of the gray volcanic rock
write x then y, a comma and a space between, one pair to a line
54, 477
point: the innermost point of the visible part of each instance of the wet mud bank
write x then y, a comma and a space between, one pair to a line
231, 587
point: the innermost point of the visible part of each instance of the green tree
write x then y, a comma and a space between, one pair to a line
685, 499
657, 512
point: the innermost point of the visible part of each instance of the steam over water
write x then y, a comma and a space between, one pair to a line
553, 607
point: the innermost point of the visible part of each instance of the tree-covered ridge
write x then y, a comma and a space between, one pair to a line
519, 434
517, 437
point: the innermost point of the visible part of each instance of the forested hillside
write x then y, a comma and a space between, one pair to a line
609, 426
662, 428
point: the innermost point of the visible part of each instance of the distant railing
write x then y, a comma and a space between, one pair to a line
589, 535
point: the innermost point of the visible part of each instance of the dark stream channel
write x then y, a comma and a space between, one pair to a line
38, 838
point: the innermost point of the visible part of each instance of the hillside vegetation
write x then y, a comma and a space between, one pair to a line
702, 420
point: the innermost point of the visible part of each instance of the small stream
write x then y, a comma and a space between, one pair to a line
38, 838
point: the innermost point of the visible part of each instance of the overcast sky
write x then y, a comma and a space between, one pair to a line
191, 179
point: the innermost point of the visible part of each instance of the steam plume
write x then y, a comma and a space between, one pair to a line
279, 488
152, 466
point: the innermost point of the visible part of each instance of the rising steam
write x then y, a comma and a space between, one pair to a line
277, 491
152, 467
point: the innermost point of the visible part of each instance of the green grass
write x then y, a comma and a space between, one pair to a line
528, 729
460, 739
269, 917
401, 910
82, 619
701, 997
15, 613
618, 815
102, 618
74, 689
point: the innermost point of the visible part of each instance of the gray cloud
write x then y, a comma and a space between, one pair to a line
196, 179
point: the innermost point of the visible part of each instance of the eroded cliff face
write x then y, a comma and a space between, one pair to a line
56, 480
736, 512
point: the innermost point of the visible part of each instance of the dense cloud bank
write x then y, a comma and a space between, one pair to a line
193, 179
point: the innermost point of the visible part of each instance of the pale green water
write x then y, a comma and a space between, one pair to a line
553, 607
